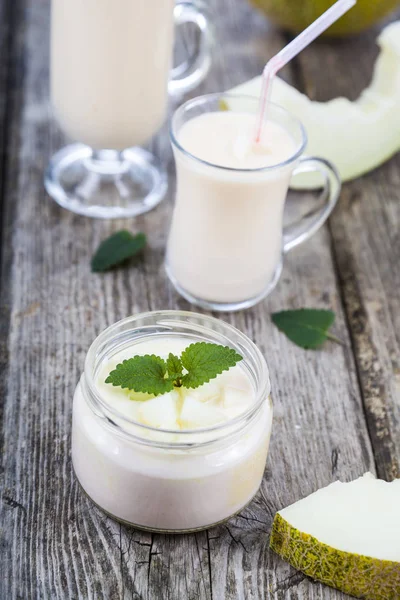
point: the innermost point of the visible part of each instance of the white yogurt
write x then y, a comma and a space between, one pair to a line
189, 477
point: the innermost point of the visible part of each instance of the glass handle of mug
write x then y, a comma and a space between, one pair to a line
298, 232
194, 69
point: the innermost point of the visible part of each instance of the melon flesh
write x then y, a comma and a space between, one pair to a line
346, 535
207, 392
196, 414
355, 136
160, 412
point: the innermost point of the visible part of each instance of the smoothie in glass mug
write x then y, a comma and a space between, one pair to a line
110, 77
227, 238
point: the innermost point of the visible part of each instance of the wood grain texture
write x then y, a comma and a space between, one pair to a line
4, 70
56, 545
366, 239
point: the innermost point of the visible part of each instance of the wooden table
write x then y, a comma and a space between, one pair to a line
337, 411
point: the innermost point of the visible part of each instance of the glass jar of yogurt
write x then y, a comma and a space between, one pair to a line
178, 462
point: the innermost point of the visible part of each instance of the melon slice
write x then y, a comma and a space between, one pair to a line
206, 392
196, 414
356, 136
346, 535
161, 411
137, 396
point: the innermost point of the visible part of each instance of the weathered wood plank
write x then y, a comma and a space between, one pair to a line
313, 392
4, 70
11, 69
52, 535
58, 546
366, 237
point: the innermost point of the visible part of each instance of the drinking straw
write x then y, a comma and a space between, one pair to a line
292, 49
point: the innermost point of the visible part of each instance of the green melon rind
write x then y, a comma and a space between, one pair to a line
353, 574
296, 16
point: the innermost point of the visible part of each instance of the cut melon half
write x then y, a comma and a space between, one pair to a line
346, 535
355, 136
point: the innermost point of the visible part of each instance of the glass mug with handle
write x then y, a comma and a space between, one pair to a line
110, 78
227, 239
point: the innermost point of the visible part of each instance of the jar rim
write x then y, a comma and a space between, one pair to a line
161, 318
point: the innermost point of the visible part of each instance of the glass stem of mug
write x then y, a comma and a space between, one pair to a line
107, 162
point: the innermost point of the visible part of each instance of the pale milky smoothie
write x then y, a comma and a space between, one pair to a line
133, 477
225, 243
110, 63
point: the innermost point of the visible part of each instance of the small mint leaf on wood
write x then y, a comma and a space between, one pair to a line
204, 361
116, 249
306, 327
142, 374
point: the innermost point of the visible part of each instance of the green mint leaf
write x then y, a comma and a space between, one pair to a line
116, 249
151, 374
142, 374
306, 327
174, 367
204, 361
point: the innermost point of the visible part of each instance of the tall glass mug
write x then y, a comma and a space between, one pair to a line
110, 77
227, 239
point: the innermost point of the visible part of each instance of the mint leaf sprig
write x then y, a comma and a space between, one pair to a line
198, 364
116, 250
306, 327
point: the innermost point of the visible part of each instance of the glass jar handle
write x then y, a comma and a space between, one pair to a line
193, 70
300, 231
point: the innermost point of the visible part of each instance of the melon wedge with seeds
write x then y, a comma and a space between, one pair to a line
346, 535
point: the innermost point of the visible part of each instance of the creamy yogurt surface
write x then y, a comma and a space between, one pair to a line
228, 395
